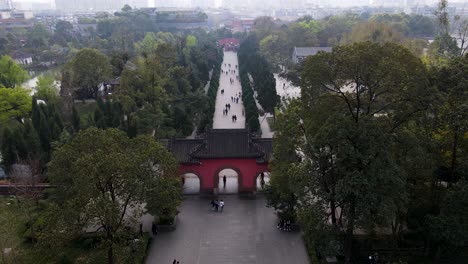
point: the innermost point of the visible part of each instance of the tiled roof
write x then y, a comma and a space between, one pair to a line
182, 148
310, 51
222, 143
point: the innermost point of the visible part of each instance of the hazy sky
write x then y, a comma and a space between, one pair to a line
336, 1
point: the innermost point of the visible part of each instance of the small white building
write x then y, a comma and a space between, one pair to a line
23, 59
300, 53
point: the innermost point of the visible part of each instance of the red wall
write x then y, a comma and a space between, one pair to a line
208, 171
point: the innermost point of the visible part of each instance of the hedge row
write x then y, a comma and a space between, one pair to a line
251, 113
260, 70
207, 121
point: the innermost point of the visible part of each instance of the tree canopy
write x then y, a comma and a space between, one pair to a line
102, 179
11, 74
15, 104
334, 163
89, 69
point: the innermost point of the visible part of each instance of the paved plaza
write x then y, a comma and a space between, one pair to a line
244, 233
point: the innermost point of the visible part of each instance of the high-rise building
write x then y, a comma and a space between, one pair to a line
5, 4
138, 3
91, 5
203, 3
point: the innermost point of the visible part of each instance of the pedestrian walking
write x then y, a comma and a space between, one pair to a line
280, 224
233, 118
237, 100
221, 205
174, 262
224, 181
243, 113
216, 205
154, 229
229, 106
141, 229
262, 176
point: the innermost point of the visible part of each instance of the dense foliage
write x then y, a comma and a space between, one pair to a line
277, 39
254, 64
367, 147
207, 121
102, 180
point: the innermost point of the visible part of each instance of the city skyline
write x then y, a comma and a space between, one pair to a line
239, 3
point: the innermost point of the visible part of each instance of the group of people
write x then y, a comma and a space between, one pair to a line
235, 99
217, 205
284, 225
234, 118
229, 65
175, 261
226, 109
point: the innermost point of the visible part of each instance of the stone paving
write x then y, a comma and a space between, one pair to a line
244, 233
285, 88
220, 120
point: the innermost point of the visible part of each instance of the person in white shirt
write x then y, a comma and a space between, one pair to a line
221, 205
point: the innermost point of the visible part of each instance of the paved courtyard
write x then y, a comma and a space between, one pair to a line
244, 233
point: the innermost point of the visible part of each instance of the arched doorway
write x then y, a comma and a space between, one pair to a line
231, 185
262, 180
191, 183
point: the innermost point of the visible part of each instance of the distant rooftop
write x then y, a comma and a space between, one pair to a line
310, 51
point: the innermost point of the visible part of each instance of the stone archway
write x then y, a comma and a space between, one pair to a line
191, 183
233, 181
261, 180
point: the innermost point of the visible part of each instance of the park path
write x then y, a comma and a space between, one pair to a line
221, 121
286, 89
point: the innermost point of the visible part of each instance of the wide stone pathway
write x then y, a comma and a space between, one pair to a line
244, 233
230, 90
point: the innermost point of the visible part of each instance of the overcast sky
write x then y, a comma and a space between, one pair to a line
338, 1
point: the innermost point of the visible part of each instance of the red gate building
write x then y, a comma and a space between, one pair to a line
221, 149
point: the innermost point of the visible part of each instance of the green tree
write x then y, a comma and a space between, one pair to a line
264, 26
349, 110
15, 104
101, 191
38, 36
450, 229
89, 69
11, 74
452, 83
374, 32
63, 32
46, 89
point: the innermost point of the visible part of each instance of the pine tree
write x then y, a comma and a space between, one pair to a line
99, 119
44, 133
75, 120
36, 115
